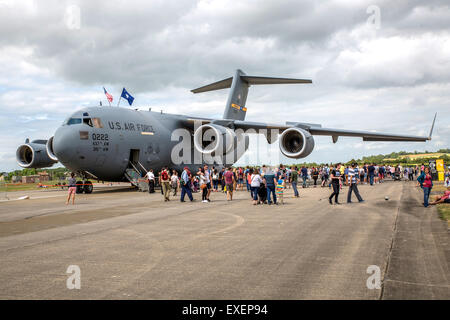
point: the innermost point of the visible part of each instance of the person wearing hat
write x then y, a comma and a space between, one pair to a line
185, 184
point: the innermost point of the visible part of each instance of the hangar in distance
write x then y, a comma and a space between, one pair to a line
120, 144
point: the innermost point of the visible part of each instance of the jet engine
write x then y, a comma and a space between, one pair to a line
50, 152
296, 143
34, 155
215, 140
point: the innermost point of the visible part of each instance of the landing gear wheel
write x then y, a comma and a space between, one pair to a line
80, 187
88, 187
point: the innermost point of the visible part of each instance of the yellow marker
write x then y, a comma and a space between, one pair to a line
440, 169
238, 107
147, 133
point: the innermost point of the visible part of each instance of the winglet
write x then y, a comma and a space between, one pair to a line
432, 127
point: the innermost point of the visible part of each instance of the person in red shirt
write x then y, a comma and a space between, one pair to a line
427, 185
442, 199
229, 181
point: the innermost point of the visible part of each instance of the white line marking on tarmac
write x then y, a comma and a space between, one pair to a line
239, 221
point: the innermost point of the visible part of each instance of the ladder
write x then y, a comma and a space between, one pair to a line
134, 175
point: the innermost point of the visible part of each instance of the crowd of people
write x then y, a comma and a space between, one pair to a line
267, 184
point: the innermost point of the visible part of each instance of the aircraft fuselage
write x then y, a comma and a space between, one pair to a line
103, 140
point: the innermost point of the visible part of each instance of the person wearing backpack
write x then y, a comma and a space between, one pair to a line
240, 176
215, 180
222, 180
165, 183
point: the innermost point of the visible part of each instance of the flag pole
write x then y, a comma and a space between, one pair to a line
120, 98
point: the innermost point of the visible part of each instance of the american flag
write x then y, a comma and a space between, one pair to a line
108, 96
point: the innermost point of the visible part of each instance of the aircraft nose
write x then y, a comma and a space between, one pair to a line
64, 142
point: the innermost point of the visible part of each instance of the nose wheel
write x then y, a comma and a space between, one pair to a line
80, 187
84, 186
88, 187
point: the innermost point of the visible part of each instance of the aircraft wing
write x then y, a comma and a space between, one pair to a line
365, 135
317, 130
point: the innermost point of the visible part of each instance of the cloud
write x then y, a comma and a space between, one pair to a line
389, 79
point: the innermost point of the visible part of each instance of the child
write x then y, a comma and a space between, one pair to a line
281, 185
262, 193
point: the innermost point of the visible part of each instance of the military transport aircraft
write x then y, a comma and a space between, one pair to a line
119, 144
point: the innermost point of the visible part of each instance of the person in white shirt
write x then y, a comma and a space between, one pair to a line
151, 181
353, 180
174, 182
256, 181
207, 174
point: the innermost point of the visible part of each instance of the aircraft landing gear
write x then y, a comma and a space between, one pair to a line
80, 187
88, 187
84, 186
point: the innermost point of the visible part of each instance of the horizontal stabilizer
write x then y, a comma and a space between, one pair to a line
249, 80
252, 80
235, 108
222, 84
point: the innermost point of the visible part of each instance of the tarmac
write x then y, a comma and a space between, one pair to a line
133, 245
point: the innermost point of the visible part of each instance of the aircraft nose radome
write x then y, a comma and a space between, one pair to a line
64, 144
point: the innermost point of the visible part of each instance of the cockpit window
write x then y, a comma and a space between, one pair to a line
72, 121
97, 123
94, 122
87, 121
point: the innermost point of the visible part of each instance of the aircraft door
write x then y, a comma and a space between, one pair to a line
134, 156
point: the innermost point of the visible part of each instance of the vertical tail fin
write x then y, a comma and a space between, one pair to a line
235, 108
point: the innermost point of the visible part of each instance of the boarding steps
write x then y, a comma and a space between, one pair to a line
134, 175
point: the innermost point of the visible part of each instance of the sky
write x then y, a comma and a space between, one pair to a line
375, 65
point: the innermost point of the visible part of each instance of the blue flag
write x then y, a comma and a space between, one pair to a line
127, 96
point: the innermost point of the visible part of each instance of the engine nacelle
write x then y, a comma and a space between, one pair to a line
49, 148
34, 155
296, 143
215, 140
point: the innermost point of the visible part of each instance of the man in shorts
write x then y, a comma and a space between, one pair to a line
229, 180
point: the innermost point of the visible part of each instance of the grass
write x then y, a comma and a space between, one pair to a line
443, 208
444, 212
440, 188
9, 187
